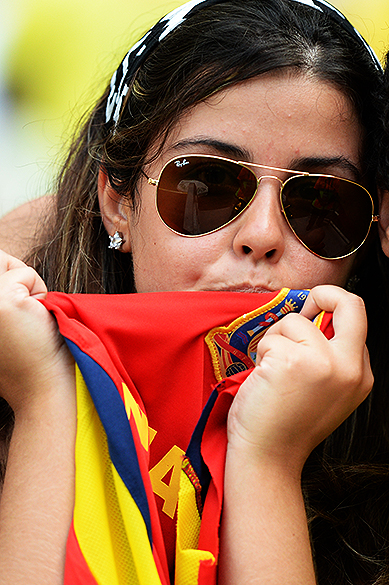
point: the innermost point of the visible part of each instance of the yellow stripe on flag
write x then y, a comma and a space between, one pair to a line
108, 524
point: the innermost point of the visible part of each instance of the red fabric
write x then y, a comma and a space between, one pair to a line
156, 343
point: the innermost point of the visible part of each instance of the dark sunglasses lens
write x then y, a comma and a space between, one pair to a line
331, 216
197, 195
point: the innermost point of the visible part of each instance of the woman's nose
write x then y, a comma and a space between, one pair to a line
261, 228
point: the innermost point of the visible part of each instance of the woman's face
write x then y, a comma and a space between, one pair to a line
291, 122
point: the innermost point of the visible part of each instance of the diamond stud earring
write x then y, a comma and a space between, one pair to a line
116, 241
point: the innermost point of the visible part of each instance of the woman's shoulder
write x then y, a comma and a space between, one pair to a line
19, 228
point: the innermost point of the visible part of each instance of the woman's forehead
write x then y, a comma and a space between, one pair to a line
271, 120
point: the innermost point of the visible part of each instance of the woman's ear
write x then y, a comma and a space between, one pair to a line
384, 221
113, 212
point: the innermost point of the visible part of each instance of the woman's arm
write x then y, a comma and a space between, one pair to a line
37, 380
20, 227
302, 388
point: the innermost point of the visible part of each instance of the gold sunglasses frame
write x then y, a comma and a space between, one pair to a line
247, 165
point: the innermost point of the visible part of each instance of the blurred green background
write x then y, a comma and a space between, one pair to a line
56, 56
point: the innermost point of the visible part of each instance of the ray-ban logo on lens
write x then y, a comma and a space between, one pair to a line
182, 163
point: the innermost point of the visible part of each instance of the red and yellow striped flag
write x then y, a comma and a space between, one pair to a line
153, 369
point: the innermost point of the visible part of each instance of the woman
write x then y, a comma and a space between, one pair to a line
278, 85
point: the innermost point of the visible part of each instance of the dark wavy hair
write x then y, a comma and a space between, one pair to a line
345, 479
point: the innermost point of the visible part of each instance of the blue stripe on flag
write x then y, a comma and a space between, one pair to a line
110, 408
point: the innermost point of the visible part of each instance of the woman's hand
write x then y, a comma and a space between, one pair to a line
32, 354
303, 386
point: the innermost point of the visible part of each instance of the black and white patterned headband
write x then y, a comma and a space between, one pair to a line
121, 79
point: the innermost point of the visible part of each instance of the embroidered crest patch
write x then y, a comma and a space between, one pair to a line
234, 348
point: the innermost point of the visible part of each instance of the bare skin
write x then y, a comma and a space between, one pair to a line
19, 228
384, 221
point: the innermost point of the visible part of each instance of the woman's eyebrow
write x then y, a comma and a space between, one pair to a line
219, 147
326, 163
300, 164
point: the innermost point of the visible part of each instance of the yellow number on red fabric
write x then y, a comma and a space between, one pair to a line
146, 434
168, 491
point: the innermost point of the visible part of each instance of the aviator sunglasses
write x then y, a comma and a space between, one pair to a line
199, 194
